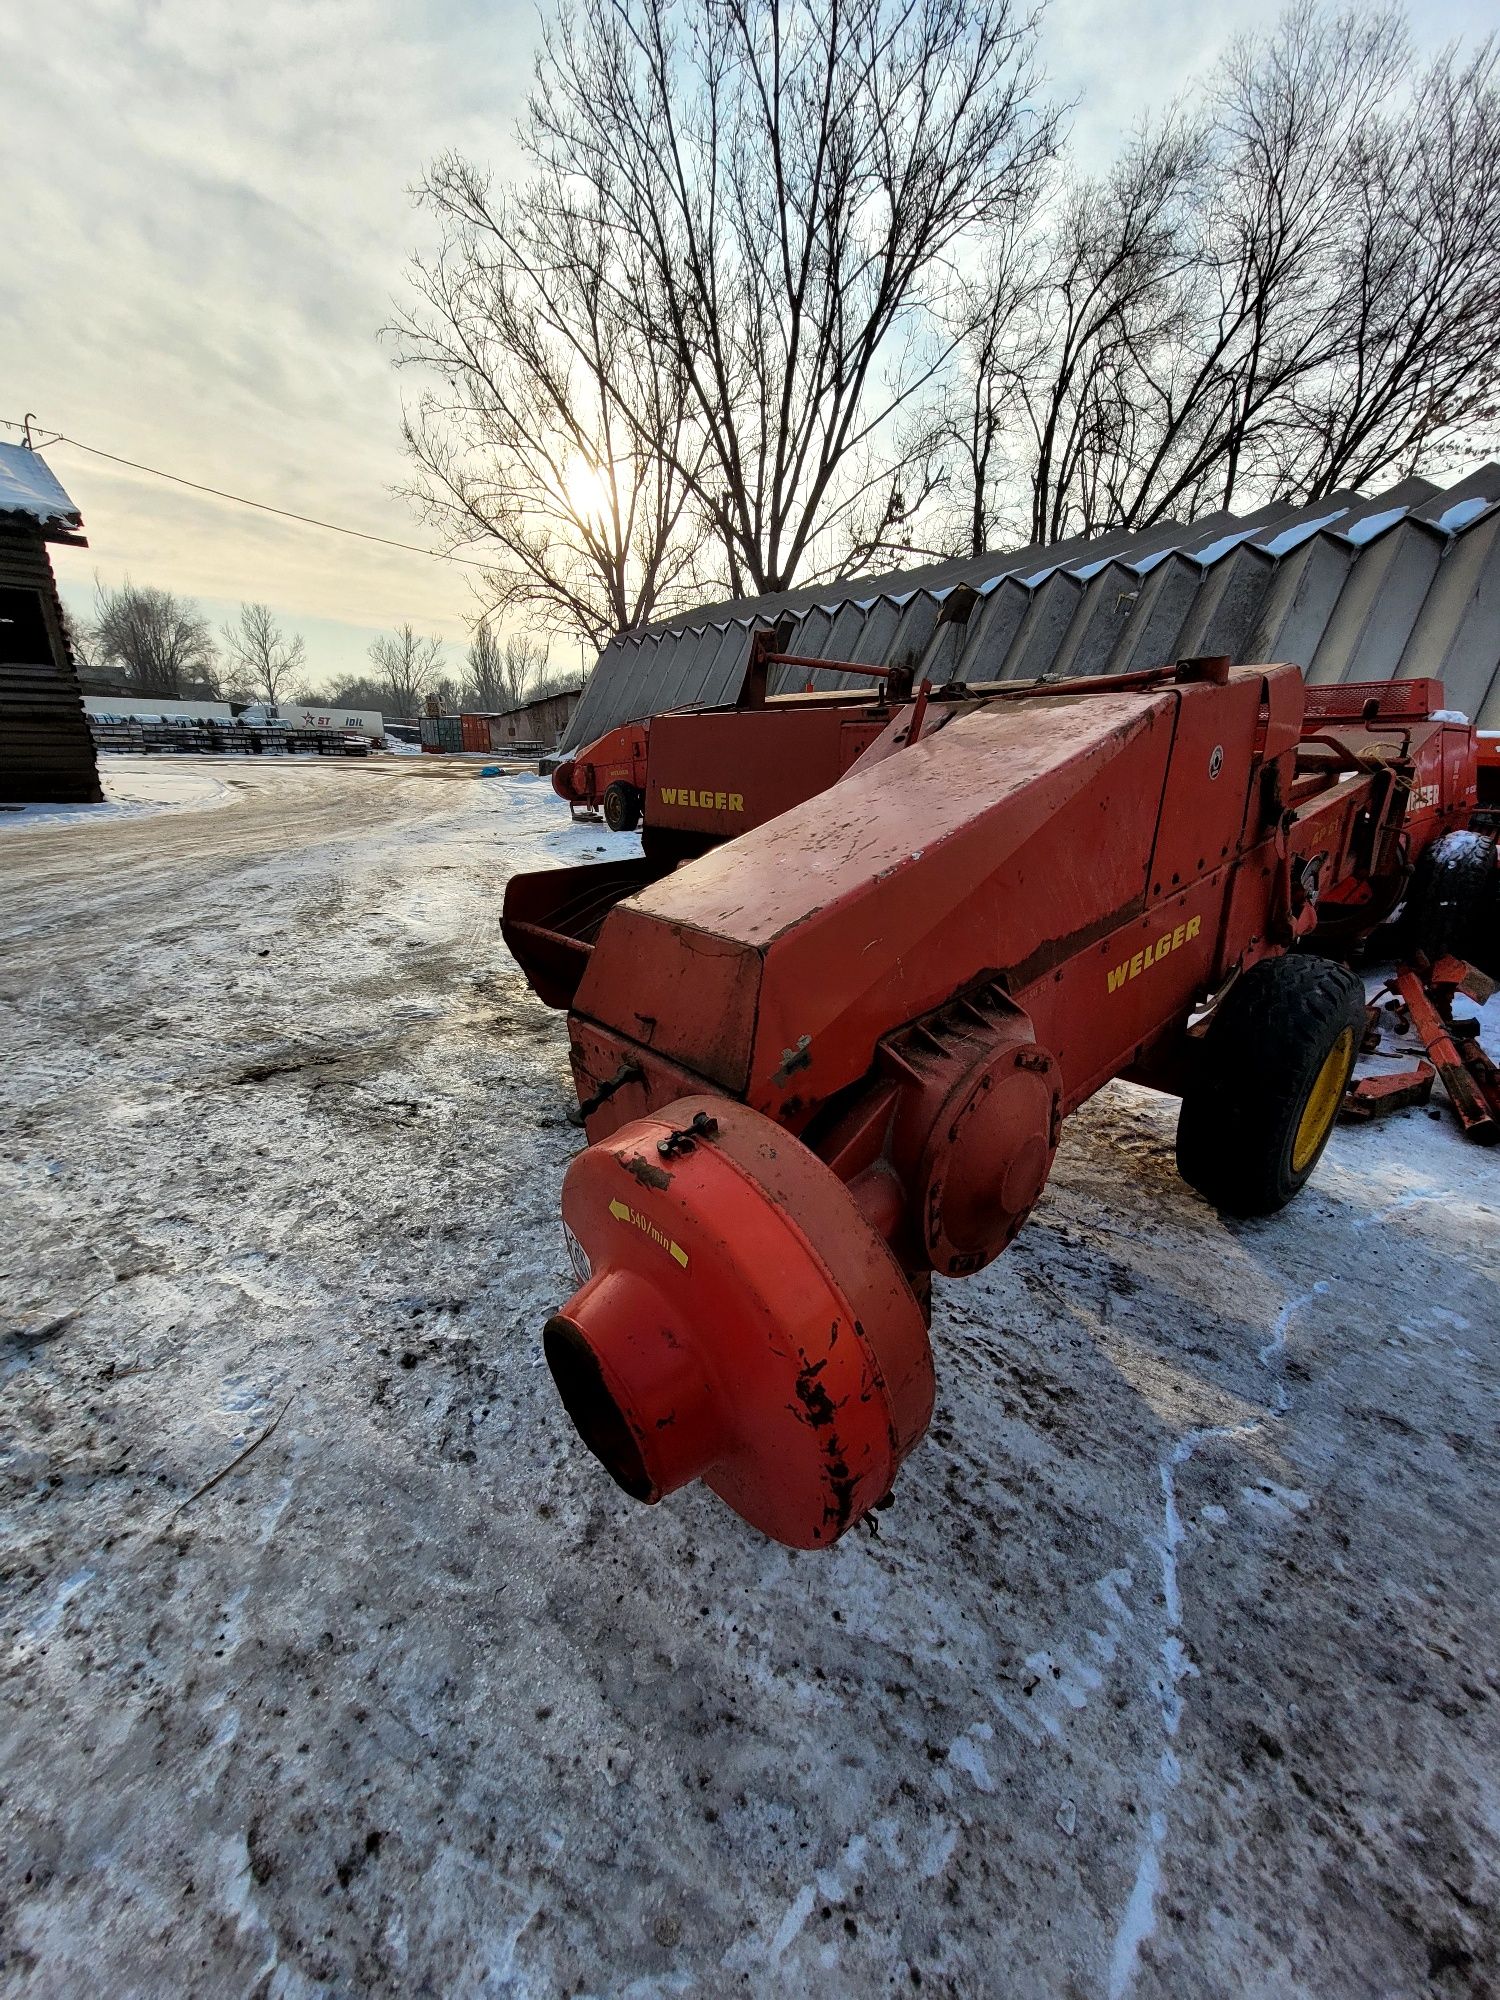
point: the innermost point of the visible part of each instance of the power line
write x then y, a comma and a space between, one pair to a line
240, 500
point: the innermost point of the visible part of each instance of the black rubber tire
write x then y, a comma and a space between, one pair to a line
1253, 1074
622, 808
1452, 904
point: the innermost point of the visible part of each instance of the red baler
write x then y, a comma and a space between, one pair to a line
607, 775
693, 777
833, 1056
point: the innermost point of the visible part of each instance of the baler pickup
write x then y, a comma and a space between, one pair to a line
551, 918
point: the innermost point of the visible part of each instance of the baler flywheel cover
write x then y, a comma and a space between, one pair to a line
742, 1323
989, 1152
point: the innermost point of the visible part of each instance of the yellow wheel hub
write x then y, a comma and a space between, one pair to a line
1323, 1101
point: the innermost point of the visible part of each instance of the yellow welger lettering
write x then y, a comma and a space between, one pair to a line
668, 794
1153, 953
719, 799
736, 802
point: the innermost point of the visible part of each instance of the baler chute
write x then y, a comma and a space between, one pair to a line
832, 1057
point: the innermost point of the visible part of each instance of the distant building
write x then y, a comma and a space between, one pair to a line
527, 731
46, 750
1404, 583
540, 722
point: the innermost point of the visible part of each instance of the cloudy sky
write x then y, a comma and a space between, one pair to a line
207, 217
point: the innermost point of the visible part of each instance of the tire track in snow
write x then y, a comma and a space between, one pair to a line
1139, 1920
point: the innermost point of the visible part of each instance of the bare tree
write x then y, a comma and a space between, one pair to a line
523, 666
557, 437
261, 654
1286, 285
1416, 367
1050, 328
156, 642
690, 335
793, 288
348, 691
405, 667
796, 179
79, 635
500, 673
484, 689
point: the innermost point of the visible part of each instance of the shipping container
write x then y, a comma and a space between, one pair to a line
442, 734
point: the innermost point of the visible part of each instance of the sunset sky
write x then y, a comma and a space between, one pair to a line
206, 222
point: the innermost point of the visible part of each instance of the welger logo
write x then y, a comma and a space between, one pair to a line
1152, 954
733, 802
1423, 796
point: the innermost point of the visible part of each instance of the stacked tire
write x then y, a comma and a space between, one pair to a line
1454, 902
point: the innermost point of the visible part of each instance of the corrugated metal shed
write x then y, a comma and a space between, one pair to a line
1350, 587
46, 748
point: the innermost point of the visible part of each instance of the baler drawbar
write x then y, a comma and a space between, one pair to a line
832, 1056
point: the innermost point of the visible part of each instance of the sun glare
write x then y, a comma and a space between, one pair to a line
585, 489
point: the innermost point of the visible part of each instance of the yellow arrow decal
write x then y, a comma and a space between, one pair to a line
623, 1213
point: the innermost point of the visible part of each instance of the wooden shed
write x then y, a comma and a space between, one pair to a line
46, 749
539, 723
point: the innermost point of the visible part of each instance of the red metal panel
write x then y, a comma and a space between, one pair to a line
1203, 805
696, 1003
1117, 995
1391, 698
1007, 835
727, 771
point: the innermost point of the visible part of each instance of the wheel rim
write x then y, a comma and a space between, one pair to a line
1323, 1101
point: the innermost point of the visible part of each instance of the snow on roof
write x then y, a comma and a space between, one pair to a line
28, 486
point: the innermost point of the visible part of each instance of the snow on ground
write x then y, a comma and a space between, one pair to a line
1171, 1672
132, 785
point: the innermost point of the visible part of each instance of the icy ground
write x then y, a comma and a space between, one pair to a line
132, 785
1172, 1672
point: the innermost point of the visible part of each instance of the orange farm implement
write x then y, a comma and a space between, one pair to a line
825, 1051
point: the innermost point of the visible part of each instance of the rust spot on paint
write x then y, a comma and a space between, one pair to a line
822, 1413
816, 1402
841, 1479
645, 1171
